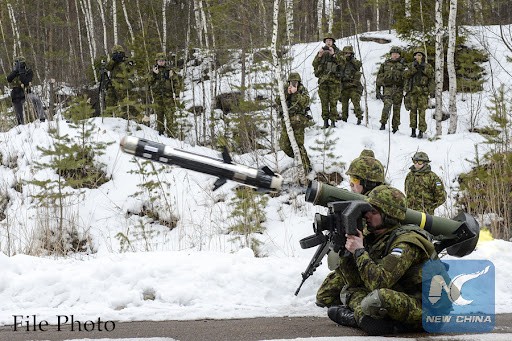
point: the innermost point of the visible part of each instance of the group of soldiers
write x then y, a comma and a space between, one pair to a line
165, 83
379, 287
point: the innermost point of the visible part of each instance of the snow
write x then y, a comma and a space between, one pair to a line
196, 270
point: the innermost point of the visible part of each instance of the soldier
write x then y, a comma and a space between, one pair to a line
423, 188
121, 70
297, 102
166, 84
365, 173
420, 84
391, 78
384, 274
327, 68
351, 87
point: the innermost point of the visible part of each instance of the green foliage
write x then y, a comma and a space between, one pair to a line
325, 147
249, 215
141, 233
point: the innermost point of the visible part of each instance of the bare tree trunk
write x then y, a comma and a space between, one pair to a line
377, 15
130, 29
280, 87
439, 66
90, 36
450, 60
114, 21
264, 19
48, 41
164, 26
330, 16
80, 44
104, 25
288, 8
319, 14
199, 24
407, 8
6, 50
15, 32
148, 65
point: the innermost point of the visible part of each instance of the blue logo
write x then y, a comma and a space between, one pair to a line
458, 296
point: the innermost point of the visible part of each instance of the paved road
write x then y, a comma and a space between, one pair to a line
215, 330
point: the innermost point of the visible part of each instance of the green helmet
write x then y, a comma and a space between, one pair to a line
419, 50
367, 168
160, 56
19, 59
117, 48
367, 153
420, 156
395, 49
294, 76
348, 49
389, 200
329, 36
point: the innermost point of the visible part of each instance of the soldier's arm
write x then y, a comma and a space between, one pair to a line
438, 189
409, 71
380, 75
347, 266
393, 266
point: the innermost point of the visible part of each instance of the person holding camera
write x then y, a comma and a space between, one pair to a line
327, 68
20, 80
166, 85
390, 78
297, 102
420, 84
121, 78
383, 294
351, 87
365, 173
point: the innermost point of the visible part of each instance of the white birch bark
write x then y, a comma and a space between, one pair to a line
330, 15
114, 21
130, 29
319, 14
164, 26
377, 15
280, 88
439, 75
15, 30
79, 25
90, 37
264, 19
199, 24
6, 51
104, 25
407, 8
288, 8
450, 60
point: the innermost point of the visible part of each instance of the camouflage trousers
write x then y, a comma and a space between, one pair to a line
419, 104
395, 305
298, 125
329, 292
392, 98
329, 93
353, 94
165, 109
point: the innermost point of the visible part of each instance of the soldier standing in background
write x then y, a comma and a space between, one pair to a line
351, 87
122, 71
327, 68
420, 84
391, 78
423, 188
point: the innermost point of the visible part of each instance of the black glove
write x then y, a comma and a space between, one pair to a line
378, 94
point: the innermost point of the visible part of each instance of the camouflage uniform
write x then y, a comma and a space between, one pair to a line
420, 84
120, 85
327, 69
371, 173
19, 80
423, 188
351, 87
297, 104
166, 86
384, 280
391, 78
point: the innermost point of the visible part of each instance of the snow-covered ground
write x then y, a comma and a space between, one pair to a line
196, 270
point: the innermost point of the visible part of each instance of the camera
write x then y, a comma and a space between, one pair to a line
294, 83
325, 48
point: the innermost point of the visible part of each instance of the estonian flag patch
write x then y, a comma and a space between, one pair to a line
397, 252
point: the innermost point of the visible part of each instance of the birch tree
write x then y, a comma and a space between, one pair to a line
288, 8
114, 21
104, 25
280, 88
130, 29
15, 31
330, 16
89, 29
407, 8
164, 26
319, 15
439, 66
450, 62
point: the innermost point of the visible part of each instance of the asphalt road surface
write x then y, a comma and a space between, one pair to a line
215, 330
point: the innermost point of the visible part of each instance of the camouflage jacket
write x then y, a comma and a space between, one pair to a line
424, 190
350, 71
391, 73
327, 67
392, 260
166, 82
419, 78
121, 74
18, 81
296, 103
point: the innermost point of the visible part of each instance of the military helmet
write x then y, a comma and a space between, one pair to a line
117, 48
294, 76
160, 56
19, 59
395, 49
367, 168
367, 153
389, 200
419, 50
420, 156
329, 36
348, 49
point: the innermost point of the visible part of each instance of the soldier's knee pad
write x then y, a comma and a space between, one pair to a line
373, 305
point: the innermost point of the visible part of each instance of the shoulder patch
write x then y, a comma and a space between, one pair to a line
438, 183
397, 252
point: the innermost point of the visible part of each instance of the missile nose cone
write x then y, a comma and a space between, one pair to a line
128, 144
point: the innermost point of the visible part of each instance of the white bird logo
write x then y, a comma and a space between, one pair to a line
454, 290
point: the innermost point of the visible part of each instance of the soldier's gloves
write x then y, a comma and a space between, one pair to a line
378, 94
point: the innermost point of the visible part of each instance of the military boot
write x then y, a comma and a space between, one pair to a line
376, 327
420, 135
382, 126
359, 120
394, 130
342, 315
333, 123
413, 134
326, 123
